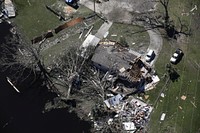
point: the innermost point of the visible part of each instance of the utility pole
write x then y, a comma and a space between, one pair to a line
94, 7
95, 14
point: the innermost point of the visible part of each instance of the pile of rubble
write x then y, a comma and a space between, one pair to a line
132, 114
7, 10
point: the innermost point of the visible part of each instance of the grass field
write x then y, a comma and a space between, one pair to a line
33, 18
182, 116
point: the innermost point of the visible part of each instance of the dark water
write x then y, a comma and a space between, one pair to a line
21, 113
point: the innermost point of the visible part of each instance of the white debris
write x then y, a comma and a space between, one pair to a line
110, 121
113, 35
162, 95
155, 79
9, 81
129, 126
89, 31
106, 34
162, 118
195, 8
122, 69
109, 95
151, 85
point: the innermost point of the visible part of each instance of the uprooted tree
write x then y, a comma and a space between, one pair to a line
77, 73
24, 61
70, 69
98, 83
162, 19
64, 76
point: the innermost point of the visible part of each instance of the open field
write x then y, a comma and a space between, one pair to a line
182, 116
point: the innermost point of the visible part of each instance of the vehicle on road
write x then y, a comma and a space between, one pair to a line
150, 55
177, 56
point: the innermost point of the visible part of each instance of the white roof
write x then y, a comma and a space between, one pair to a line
172, 59
150, 52
90, 40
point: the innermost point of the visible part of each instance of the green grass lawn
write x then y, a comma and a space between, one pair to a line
33, 18
138, 42
73, 40
182, 116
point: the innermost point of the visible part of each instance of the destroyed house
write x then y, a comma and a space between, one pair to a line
136, 72
112, 58
120, 60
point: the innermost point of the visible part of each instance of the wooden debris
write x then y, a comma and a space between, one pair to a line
14, 87
193, 104
146, 96
115, 89
162, 118
180, 107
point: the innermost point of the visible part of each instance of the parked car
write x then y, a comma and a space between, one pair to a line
177, 56
150, 56
72, 3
